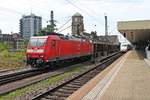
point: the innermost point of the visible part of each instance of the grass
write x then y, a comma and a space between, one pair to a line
3, 46
41, 84
10, 60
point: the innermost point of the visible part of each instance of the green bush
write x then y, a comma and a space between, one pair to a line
3, 46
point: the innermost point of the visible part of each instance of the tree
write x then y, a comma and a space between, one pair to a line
46, 30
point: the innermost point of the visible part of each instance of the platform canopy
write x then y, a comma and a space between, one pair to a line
135, 31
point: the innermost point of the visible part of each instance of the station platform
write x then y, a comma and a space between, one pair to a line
128, 78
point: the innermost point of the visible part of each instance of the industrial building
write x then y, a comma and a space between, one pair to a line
14, 41
30, 25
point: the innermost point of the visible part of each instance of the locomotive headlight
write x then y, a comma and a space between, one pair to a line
40, 51
36, 51
29, 50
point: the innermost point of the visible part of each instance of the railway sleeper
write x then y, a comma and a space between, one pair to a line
93, 73
65, 91
73, 86
89, 75
78, 84
81, 82
78, 81
69, 88
87, 78
50, 97
60, 94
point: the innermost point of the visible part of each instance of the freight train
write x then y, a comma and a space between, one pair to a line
54, 48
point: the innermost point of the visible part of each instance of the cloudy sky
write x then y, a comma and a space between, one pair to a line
92, 10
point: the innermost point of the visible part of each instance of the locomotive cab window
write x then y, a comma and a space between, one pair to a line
38, 42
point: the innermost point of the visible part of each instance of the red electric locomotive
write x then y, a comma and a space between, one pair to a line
54, 48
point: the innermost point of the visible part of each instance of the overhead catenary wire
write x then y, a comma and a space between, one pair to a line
14, 11
95, 19
19, 13
64, 24
64, 29
91, 10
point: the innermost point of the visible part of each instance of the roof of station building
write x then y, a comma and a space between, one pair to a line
135, 31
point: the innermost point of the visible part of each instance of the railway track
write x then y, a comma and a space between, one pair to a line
65, 89
6, 70
10, 77
27, 77
18, 75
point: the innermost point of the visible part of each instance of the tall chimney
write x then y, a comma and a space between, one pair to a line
106, 26
52, 18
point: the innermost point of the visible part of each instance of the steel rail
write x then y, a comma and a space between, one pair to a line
64, 90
